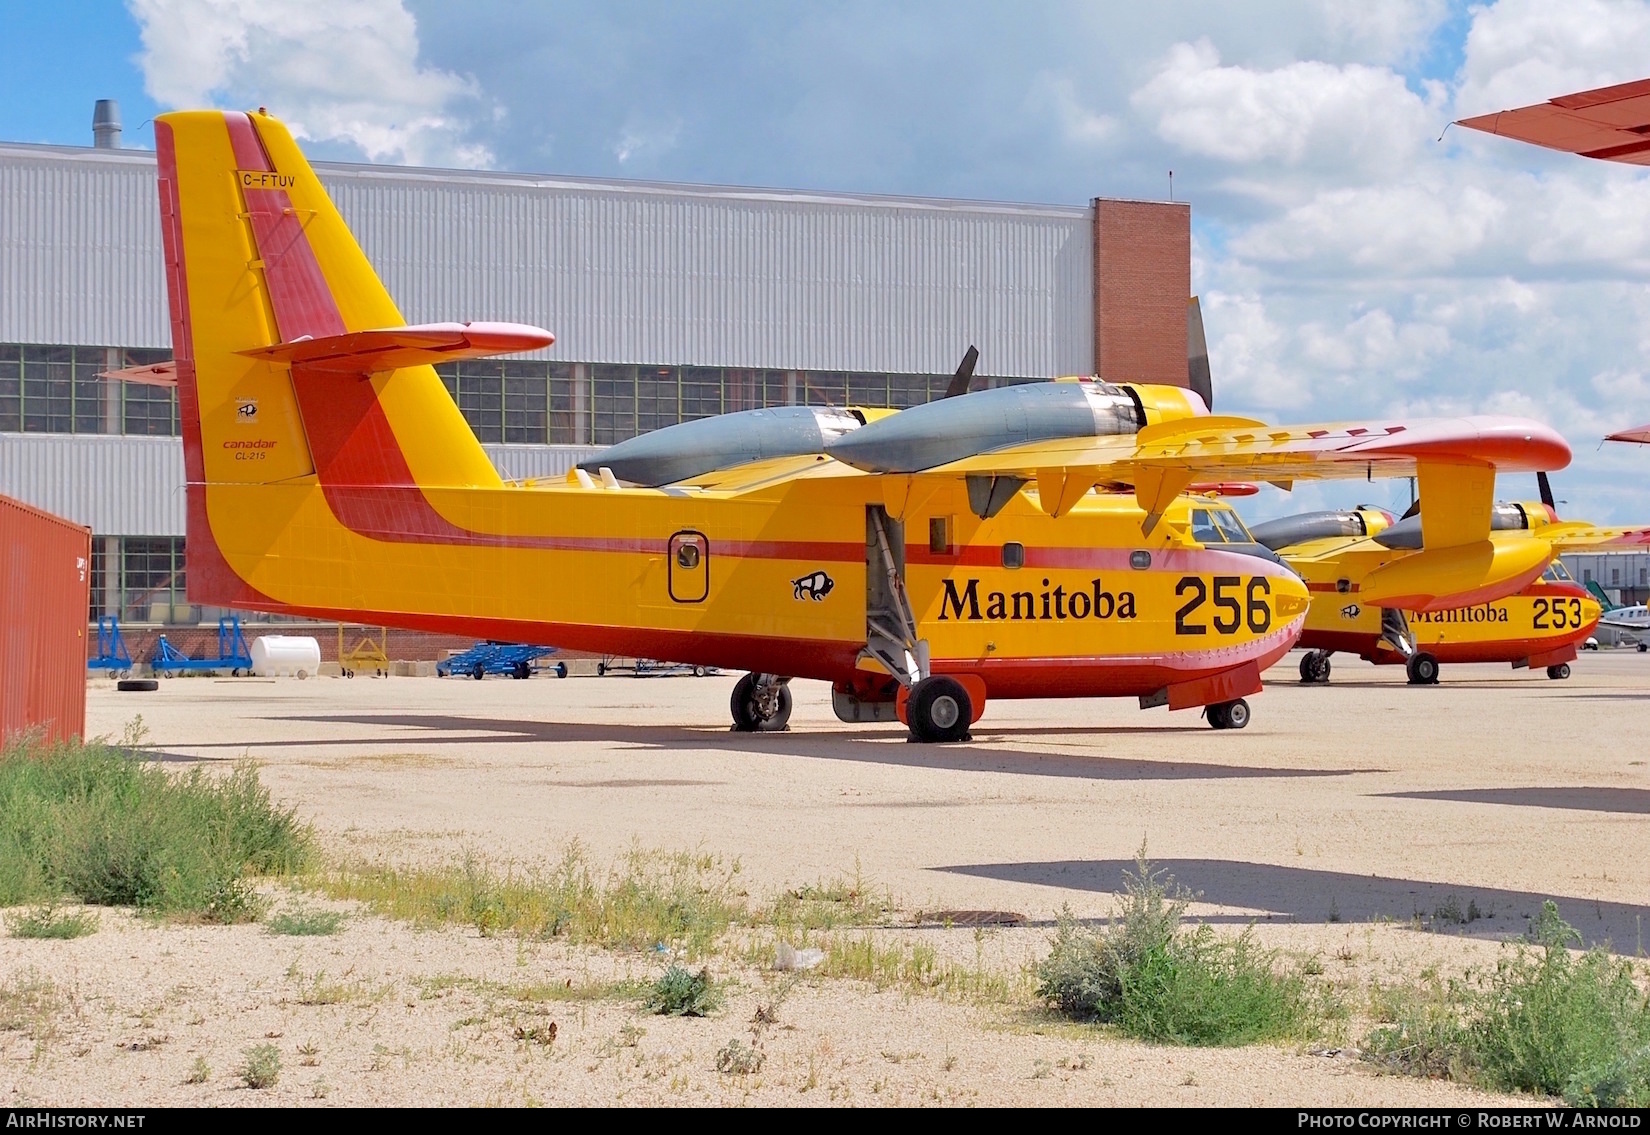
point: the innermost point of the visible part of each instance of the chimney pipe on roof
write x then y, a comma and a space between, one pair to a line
106, 125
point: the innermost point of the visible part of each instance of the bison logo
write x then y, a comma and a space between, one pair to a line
814, 585
1351, 611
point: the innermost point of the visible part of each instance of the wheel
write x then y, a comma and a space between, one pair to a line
1559, 672
561, 669
747, 710
521, 671
1228, 714
698, 671
1315, 667
1422, 669
601, 668
939, 710
478, 672
301, 675
1643, 647
137, 685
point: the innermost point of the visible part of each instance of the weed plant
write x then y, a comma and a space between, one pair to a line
1546, 1020
682, 900
305, 922
89, 820
46, 921
261, 1067
1156, 981
683, 993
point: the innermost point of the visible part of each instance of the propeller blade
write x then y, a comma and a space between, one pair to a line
1198, 377
1546, 491
965, 374
1413, 510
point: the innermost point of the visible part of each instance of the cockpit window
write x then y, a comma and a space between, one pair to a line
1233, 527
1203, 528
1555, 573
1219, 526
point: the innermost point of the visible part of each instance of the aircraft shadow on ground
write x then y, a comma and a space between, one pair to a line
876, 745
1634, 801
1302, 895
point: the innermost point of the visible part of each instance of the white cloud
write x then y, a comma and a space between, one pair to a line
1350, 117
1388, 32
343, 71
1520, 52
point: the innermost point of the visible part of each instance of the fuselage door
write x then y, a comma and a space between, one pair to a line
689, 554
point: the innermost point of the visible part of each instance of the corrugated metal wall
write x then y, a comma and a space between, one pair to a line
116, 486
133, 486
45, 582
622, 272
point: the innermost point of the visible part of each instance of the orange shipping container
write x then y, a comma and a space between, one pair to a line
45, 592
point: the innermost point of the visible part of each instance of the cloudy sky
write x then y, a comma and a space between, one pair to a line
1351, 262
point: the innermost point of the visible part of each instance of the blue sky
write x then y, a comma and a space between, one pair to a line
1351, 264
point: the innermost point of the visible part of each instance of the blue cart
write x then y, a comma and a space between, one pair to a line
504, 658
112, 654
233, 655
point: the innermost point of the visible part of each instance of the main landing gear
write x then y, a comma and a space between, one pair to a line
939, 709
1422, 669
1315, 668
761, 703
1228, 714
1559, 672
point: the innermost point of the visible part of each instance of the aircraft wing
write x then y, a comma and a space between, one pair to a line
1459, 456
1640, 434
1577, 536
1609, 123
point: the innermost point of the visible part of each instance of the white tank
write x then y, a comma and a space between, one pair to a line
278, 654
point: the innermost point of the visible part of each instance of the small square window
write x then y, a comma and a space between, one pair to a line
1014, 555
939, 535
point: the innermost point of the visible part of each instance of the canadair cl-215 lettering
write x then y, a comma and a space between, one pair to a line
847, 546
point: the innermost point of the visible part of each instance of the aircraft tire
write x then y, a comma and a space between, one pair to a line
137, 685
1422, 669
1315, 668
1227, 714
939, 710
1559, 672
747, 716
1643, 647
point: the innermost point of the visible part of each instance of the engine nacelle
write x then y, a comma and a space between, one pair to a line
1288, 531
951, 429
690, 449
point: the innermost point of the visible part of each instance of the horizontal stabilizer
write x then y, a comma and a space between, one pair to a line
390, 348
1640, 434
155, 374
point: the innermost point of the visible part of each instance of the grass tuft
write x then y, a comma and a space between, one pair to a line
91, 821
28, 1003
683, 993
262, 1066
1158, 982
684, 901
1546, 1020
46, 921
305, 922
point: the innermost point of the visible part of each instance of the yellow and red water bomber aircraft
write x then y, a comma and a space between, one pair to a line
1026, 541
1539, 626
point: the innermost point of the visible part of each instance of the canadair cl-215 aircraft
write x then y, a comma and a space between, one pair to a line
920, 561
1538, 627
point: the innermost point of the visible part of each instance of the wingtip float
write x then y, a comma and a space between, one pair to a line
922, 562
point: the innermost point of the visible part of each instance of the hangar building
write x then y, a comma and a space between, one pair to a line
669, 302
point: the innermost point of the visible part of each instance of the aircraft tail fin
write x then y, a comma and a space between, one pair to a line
292, 360
1603, 599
